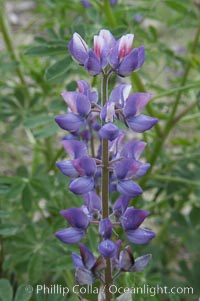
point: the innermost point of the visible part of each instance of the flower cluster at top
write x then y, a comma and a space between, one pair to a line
89, 123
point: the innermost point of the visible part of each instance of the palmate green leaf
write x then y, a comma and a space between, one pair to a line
6, 291
8, 230
27, 198
47, 131
178, 6
35, 268
46, 50
23, 293
38, 120
58, 69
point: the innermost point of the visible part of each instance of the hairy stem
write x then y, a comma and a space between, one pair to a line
105, 188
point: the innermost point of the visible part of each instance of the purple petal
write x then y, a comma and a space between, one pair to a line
70, 235
75, 149
77, 102
133, 149
115, 259
132, 61
108, 37
125, 45
108, 112
78, 48
82, 185
120, 93
141, 57
133, 218
66, 167
141, 263
69, 122
87, 257
130, 169
135, 103
92, 64
86, 3
77, 261
129, 188
84, 88
122, 167
107, 248
114, 55
113, 2
85, 166
99, 265
105, 228
109, 131
142, 169
126, 259
101, 50
92, 201
141, 123
121, 203
84, 276
140, 236
76, 217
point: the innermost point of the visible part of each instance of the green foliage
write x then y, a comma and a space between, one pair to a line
32, 191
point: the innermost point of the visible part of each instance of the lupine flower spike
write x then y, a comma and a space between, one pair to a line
102, 163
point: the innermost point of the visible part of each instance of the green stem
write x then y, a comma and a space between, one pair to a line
9, 45
169, 124
184, 112
107, 10
105, 187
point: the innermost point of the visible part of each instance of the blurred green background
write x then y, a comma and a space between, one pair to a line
35, 67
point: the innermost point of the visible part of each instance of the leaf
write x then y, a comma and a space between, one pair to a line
43, 50
58, 69
27, 198
34, 121
24, 293
5, 290
46, 131
178, 6
7, 230
35, 268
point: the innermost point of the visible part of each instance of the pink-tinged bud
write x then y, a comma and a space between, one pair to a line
78, 48
125, 45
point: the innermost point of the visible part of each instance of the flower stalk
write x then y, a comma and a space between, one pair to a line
105, 187
112, 166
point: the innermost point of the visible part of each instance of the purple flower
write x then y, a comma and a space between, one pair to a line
123, 59
82, 167
128, 108
119, 54
127, 263
79, 222
131, 220
105, 228
109, 131
86, 266
107, 248
92, 201
78, 48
